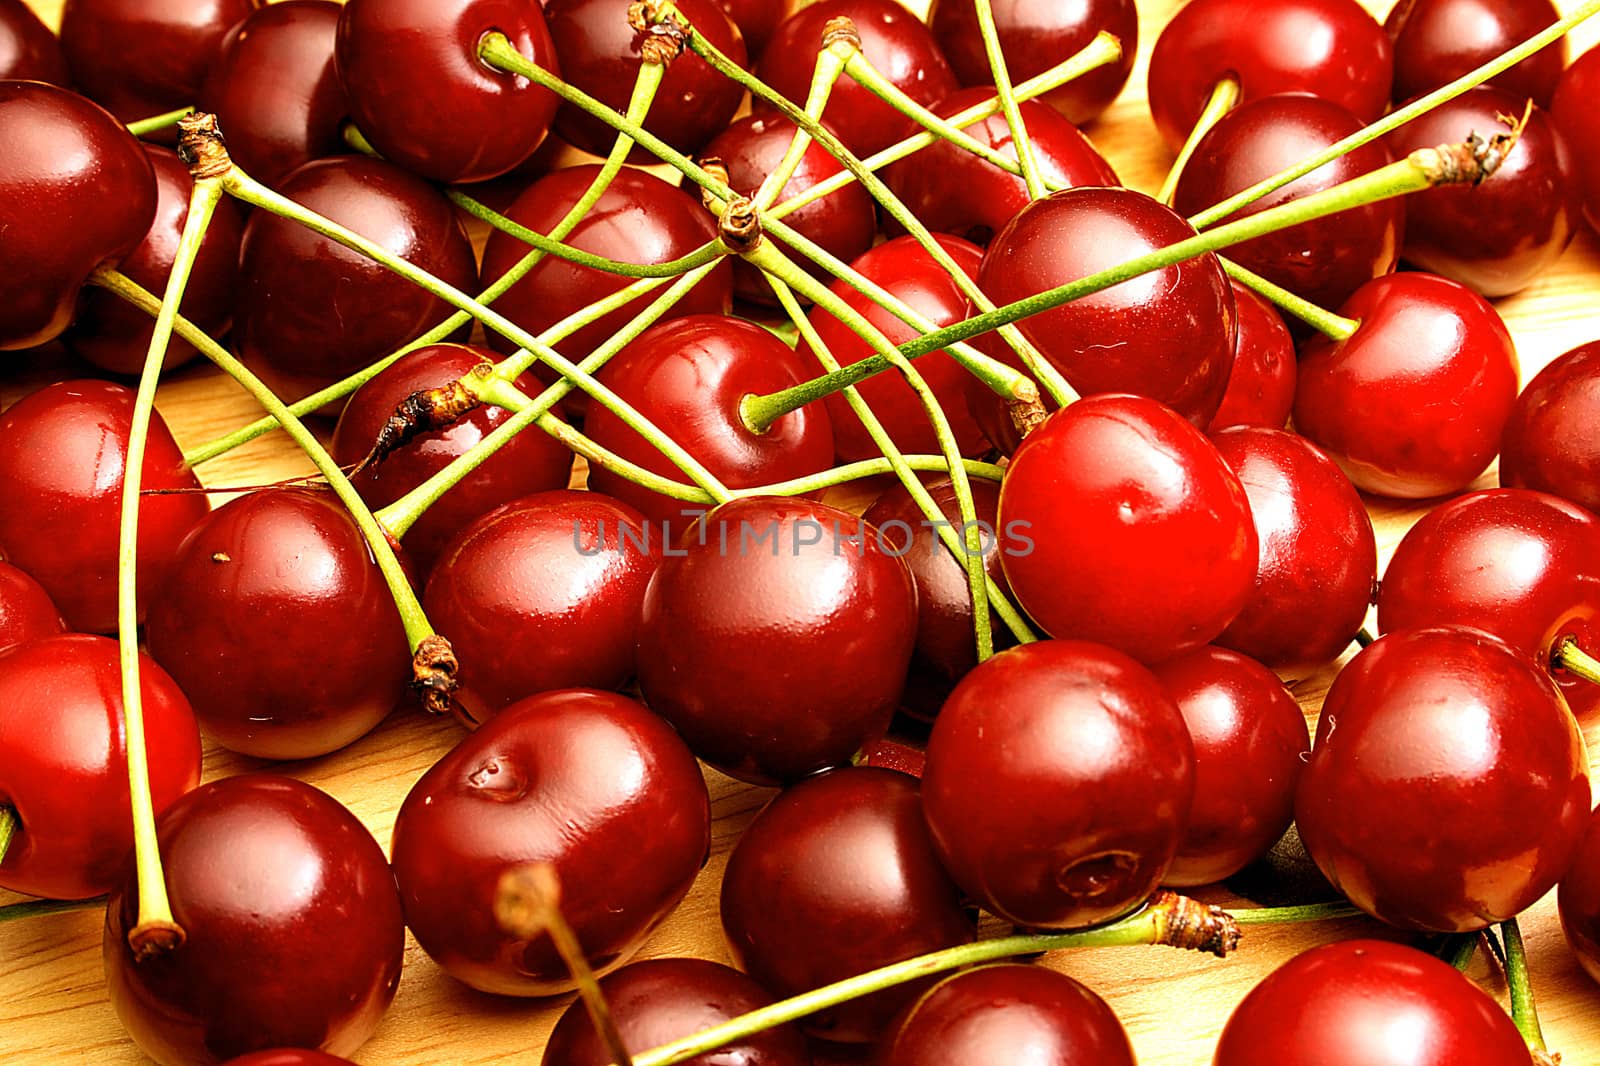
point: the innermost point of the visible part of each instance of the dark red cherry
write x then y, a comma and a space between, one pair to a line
76, 191
1323, 261
835, 877
1318, 557
1437, 41
311, 311
113, 334
274, 89
1576, 118
1058, 783
1137, 533
543, 593
1331, 48
289, 1057
29, 50
1448, 786
1007, 1013
688, 376
655, 1001
530, 462
65, 768
589, 782
893, 40
1168, 334
906, 270
276, 622
26, 610
425, 100
1414, 403
776, 636
293, 927
1579, 900
757, 19
1261, 384
1249, 739
1552, 439
1372, 1002
63, 451
901, 755
1036, 35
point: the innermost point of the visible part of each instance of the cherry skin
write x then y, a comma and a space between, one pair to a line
1007, 1013
289, 1057
757, 19
1550, 441
1372, 1002
1448, 786
776, 637
543, 593
835, 877
1414, 403
1578, 901
76, 191
277, 624
63, 451
1139, 535
587, 781
655, 1001
1261, 384
1580, 125
26, 610
421, 95
266, 870
1036, 35
29, 50
1437, 41
66, 769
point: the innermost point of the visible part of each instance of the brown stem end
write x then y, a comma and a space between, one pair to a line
1475, 160
839, 34
1026, 414
740, 226
424, 411
202, 147
1186, 923
152, 938
433, 674
525, 898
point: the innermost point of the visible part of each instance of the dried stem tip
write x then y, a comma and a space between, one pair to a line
740, 227
1475, 160
1026, 414
840, 34
1185, 923
149, 939
663, 42
424, 411
525, 898
433, 674
202, 147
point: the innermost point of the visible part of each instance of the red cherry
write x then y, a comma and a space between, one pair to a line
1576, 119
1138, 534
26, 610
835, 877
62, 456
1437, 41
1059, 779
1550, 441
426, 101
589, 782
294, 932
288, 1056
29, 50
1413, 404
1261, 383
1448, 786
1579, 900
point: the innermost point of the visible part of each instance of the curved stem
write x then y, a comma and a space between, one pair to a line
1459, 949
9, 824
158, 122
1523, 1011
522, 360
669, 269
1334, 327
1008, 101
1577, 662
1224, 98
830, 64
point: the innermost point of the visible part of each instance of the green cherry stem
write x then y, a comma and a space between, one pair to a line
830, 64
1224, 98
33, 908
1523, 1012
158, 122
1335, 327
9, 824
1309, 912
1577, 662
1021, 142
1459, 949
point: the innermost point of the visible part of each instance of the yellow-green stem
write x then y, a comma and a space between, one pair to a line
830, 64
158, 122
1224, 98
8, 828
1523, 1011
1330, 325
1577, 662
1008, 101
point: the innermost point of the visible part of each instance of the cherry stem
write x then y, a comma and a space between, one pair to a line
1523, 1012
1459, 949
33, 908
158, 122
1577, 662
1334, 327
1224, 98
1020, 140
1308, 912
830, 64
1364, 637
9, 824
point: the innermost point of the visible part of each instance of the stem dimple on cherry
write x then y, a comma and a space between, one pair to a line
9, 824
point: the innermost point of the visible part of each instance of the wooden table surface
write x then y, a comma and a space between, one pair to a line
53, 1006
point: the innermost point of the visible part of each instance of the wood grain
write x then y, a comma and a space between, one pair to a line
52, 1001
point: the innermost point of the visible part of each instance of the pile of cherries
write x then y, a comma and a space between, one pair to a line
1036, 671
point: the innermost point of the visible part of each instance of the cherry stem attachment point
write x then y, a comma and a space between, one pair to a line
1577, 662
1224, 98
1334, 327
1523, 1012
9, 824
158, 122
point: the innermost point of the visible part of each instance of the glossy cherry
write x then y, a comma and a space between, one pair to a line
26, 611
1413, 404
1551, 441
776, 637
76, 190
1437, 41
1578, 900
543, 593
1140, 536
29, 50
63, 450
277, 624
1579, 123
587, 781
1448, 785
425, 100
1261, 384
757, 19
289, 1057
835, 877
1372, 1002
293, 924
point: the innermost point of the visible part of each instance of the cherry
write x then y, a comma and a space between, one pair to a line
76, 190
1059, 779
62, 455
776, 637
277, 624
1372, 1002
1550, 442
311, 311
293, 927
893, 40
29, 51
26, 611
757, 19
1036, 35
835, 877
113, 334
590, 782
274, 89
421, 95
1413, 404
1249, 738
1323, 261
530, 462
1448, 786
1318, 561
1437, 41
1331, 48
895, 753
543, 593
66, 770
1138, 534
1261, 384
1576, 119
656, 1001
288, 1056
1007, 1013
689, 376
1578, 900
